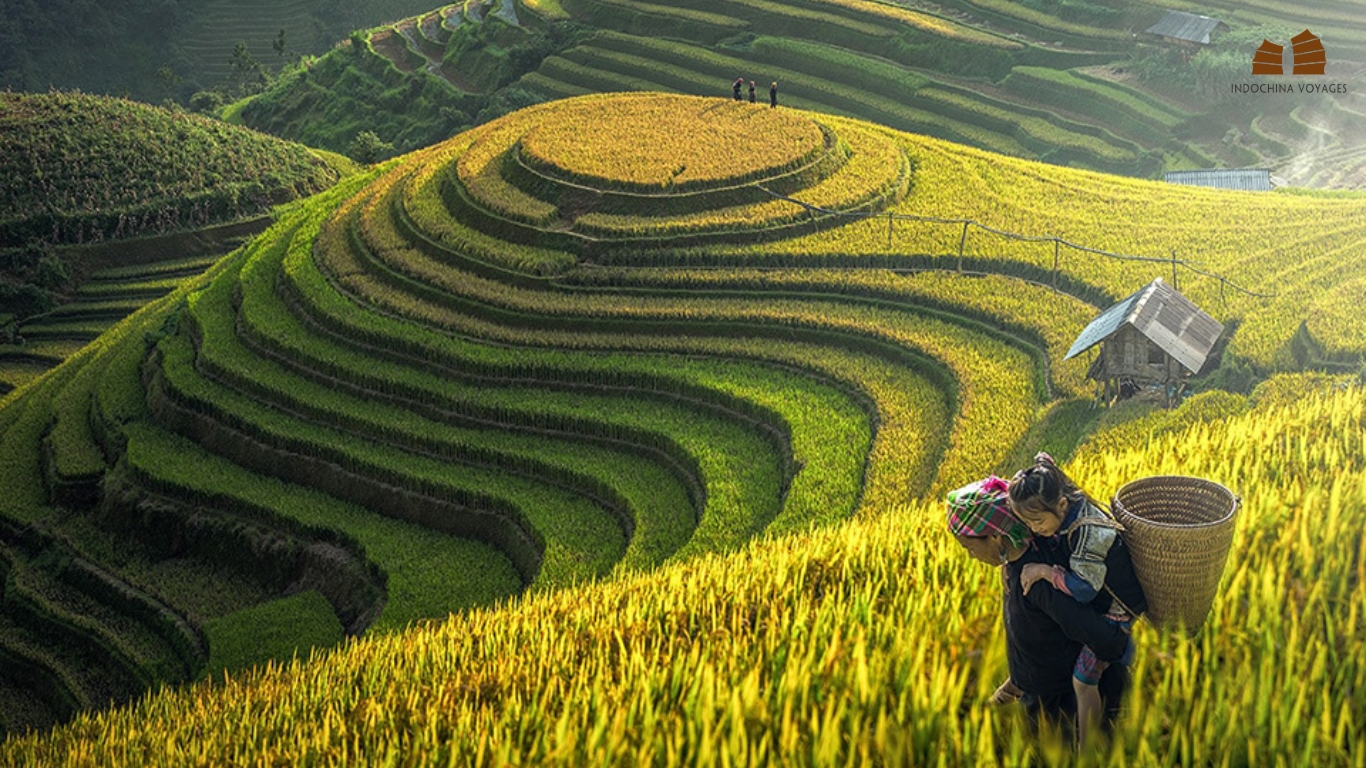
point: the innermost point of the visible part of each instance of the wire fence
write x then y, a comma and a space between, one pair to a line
1058, 243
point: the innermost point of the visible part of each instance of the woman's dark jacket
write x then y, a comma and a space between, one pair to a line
1046, 629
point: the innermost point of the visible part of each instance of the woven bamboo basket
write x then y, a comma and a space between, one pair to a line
1178, 530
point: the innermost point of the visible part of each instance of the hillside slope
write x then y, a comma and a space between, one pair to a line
168, 49
877, 641
486, 427
80, 168
92, 186
518, 362
1052, 81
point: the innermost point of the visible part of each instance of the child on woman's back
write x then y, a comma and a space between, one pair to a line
1051, 504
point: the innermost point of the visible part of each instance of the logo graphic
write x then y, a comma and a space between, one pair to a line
1267, 59
1309, 54
1306, 48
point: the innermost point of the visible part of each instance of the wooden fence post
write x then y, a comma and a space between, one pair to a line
1055, 263
962, 242
889, 230
1174, 270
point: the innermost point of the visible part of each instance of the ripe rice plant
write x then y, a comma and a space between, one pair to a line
687, 68
717, 529
386, 245
1288, 247
1029, 311
875, 174
654, 143
480, 169
973, 376
829, 647
426, 205
1334, 319
619, 369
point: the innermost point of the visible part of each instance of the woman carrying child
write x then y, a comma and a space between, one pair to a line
1099, 571
1045, 629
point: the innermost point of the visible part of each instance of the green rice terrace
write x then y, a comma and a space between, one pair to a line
106, 204
1059, 82
502, 375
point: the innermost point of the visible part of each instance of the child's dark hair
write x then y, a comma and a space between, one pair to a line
1035, 490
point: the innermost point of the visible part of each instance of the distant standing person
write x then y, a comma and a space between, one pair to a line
773, 94
751, 91
737, 85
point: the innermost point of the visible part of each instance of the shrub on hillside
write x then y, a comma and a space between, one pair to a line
369, 148
51, 274
207, 102
24, 301
505, 102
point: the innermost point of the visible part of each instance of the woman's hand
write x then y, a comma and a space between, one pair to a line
1007, 693
1035, 572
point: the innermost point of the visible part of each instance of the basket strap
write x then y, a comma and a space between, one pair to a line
1126, 608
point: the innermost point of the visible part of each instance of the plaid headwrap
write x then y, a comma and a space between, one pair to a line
980, 509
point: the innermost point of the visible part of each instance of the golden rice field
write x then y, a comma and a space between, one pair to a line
1297, 258
1304, 252
668, 142
876, 641
703, 439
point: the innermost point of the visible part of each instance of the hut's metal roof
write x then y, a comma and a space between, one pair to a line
1165, 317
1247, 179
1104, 325
1180, 25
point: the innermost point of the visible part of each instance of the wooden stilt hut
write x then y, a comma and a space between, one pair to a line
1154, 337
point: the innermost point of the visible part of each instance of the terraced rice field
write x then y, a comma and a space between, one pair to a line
218, 26
102, 183
497, 367
846, 78
907, 68
101, 302
1022, 81
386, 381
986, 74
1344, 22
